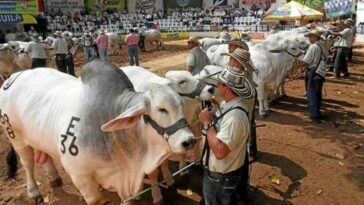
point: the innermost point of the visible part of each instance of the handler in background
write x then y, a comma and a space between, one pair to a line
315, 59
196, 59
227, 134
344, 44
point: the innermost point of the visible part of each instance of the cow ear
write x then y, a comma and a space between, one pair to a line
126, 119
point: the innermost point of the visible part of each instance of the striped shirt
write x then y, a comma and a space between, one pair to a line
132, 39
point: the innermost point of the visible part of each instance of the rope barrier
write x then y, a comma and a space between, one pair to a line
160, 183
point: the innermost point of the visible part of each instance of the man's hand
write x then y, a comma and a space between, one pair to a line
205, 117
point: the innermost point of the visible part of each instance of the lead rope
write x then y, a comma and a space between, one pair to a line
160, 183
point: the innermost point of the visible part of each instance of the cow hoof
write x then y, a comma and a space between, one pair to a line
183, 173
158, 203
38, 199
170, 183
263, 115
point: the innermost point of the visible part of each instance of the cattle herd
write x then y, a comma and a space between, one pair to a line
112, 126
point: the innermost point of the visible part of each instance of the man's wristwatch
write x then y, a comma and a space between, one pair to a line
207, 126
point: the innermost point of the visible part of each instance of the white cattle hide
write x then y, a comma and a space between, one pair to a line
183, 83
206, 43
92, 125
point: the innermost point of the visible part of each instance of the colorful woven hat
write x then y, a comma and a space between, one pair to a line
235, 79
243, 56
240, 43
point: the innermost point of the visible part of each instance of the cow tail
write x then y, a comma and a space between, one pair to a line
11, 163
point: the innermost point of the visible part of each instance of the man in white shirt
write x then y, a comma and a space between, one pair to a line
343, 45
227, 134
60, 49
196, 59
315, 59
37, 52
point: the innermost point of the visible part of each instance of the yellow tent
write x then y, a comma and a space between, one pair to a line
28, 19
293, 11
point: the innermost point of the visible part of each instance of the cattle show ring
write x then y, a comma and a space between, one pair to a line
181, 102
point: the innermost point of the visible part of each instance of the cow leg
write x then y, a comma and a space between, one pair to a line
266, 104
27, 160
261, 97
89, 189
166, 173
54, 179
283, 90
182, 164
156, 191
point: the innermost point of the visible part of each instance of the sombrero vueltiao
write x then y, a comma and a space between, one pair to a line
235, 79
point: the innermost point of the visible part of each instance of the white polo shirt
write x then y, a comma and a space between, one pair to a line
60, 46
346, 39
36, 50
232, 130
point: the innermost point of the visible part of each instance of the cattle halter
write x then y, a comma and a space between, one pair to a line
291, 54
196, 92
182, 123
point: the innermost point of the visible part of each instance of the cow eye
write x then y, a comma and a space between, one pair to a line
162, 110
294, 49
182, 82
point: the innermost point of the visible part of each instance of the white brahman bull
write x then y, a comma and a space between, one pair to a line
206, 43
272, 68
184, 84
103, 132
153, 36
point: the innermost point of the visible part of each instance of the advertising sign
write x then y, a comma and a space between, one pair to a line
146, 6
65, 5
97, 5
182, 3
220, 3
19, 7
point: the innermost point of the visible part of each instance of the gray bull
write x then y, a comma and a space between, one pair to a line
103, 132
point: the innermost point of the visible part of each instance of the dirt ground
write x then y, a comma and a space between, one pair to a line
310, 163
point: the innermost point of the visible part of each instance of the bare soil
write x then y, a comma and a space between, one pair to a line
315, 163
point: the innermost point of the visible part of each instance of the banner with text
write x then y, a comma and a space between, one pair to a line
65, 6
102, 5
336, 8
182, 3
19, 7
220, 3
146, 6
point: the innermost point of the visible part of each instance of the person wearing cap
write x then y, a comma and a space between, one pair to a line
196, 59
240, 59
37, 52
132, 42
60, 50
227, 133
102, 42
315, 59
342, 45
87, 42
69, 58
